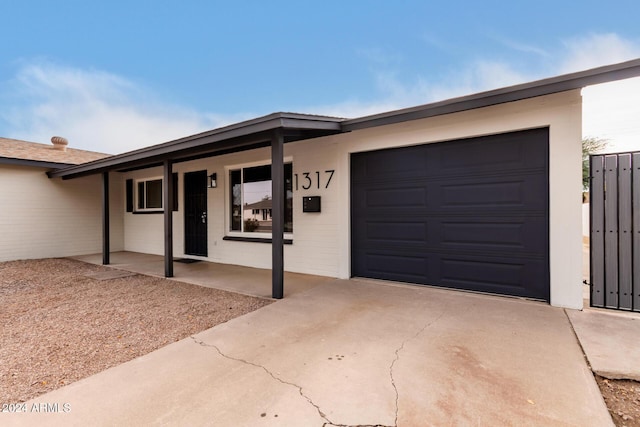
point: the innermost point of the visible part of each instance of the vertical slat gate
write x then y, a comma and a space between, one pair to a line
635, 179
597, 231
615, 231
611, 231
624, 233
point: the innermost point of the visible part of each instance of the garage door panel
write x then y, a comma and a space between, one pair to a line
483, 272
475, 235
512, 276
445, 195
396, 232
480, 154
517, 235
472, 234
407, 267
391, 163
512, 151
478, 222
483, 194
488, 193
395, 197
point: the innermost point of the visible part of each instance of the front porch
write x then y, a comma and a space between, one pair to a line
234, 278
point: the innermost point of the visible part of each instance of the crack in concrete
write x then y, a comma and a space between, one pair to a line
272, 375
397, 358
328, 422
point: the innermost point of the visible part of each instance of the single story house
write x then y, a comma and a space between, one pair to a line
260, 210
481, 192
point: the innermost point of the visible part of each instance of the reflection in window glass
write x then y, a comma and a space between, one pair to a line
251, 199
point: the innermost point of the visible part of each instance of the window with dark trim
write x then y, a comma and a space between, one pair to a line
147, 195
251, 199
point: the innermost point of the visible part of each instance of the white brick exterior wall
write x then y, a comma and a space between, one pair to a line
42, 217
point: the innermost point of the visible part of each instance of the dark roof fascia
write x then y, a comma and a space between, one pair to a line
519, 92
34, 163
245, 133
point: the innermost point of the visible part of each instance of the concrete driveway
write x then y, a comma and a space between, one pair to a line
349, 353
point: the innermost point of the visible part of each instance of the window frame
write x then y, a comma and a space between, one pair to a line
250, 235
136, 194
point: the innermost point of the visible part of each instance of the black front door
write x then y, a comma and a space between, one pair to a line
195, 213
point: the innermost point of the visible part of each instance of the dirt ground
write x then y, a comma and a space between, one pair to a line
623, 400
57, 325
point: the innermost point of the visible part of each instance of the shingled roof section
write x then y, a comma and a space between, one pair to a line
32, 151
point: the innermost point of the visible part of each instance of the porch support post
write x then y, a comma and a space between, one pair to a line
168, 218
105, 219
278, 196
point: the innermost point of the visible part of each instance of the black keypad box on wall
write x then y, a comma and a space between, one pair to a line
311, 204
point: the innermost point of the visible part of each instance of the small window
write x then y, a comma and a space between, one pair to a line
251, 205
149, 194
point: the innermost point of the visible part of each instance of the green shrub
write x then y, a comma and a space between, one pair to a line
251, 224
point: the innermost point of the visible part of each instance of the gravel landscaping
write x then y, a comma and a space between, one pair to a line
63, 320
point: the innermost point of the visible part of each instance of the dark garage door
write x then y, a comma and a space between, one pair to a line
466, 214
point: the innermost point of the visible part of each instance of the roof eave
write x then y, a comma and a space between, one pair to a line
34, 163
542, 87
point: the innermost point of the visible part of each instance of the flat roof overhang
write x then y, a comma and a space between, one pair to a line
236, 137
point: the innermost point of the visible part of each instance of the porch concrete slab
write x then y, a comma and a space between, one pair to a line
228, 277
610, 341
353, 353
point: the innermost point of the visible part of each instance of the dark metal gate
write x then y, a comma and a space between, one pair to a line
615, 231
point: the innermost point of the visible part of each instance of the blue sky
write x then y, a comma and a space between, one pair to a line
114, 76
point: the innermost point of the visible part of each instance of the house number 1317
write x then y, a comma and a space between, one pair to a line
308, 179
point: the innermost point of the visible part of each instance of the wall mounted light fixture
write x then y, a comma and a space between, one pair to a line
213, 180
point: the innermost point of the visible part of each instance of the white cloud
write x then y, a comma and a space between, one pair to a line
96, 110
521, 47
480, 76
596, 50
396, 93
